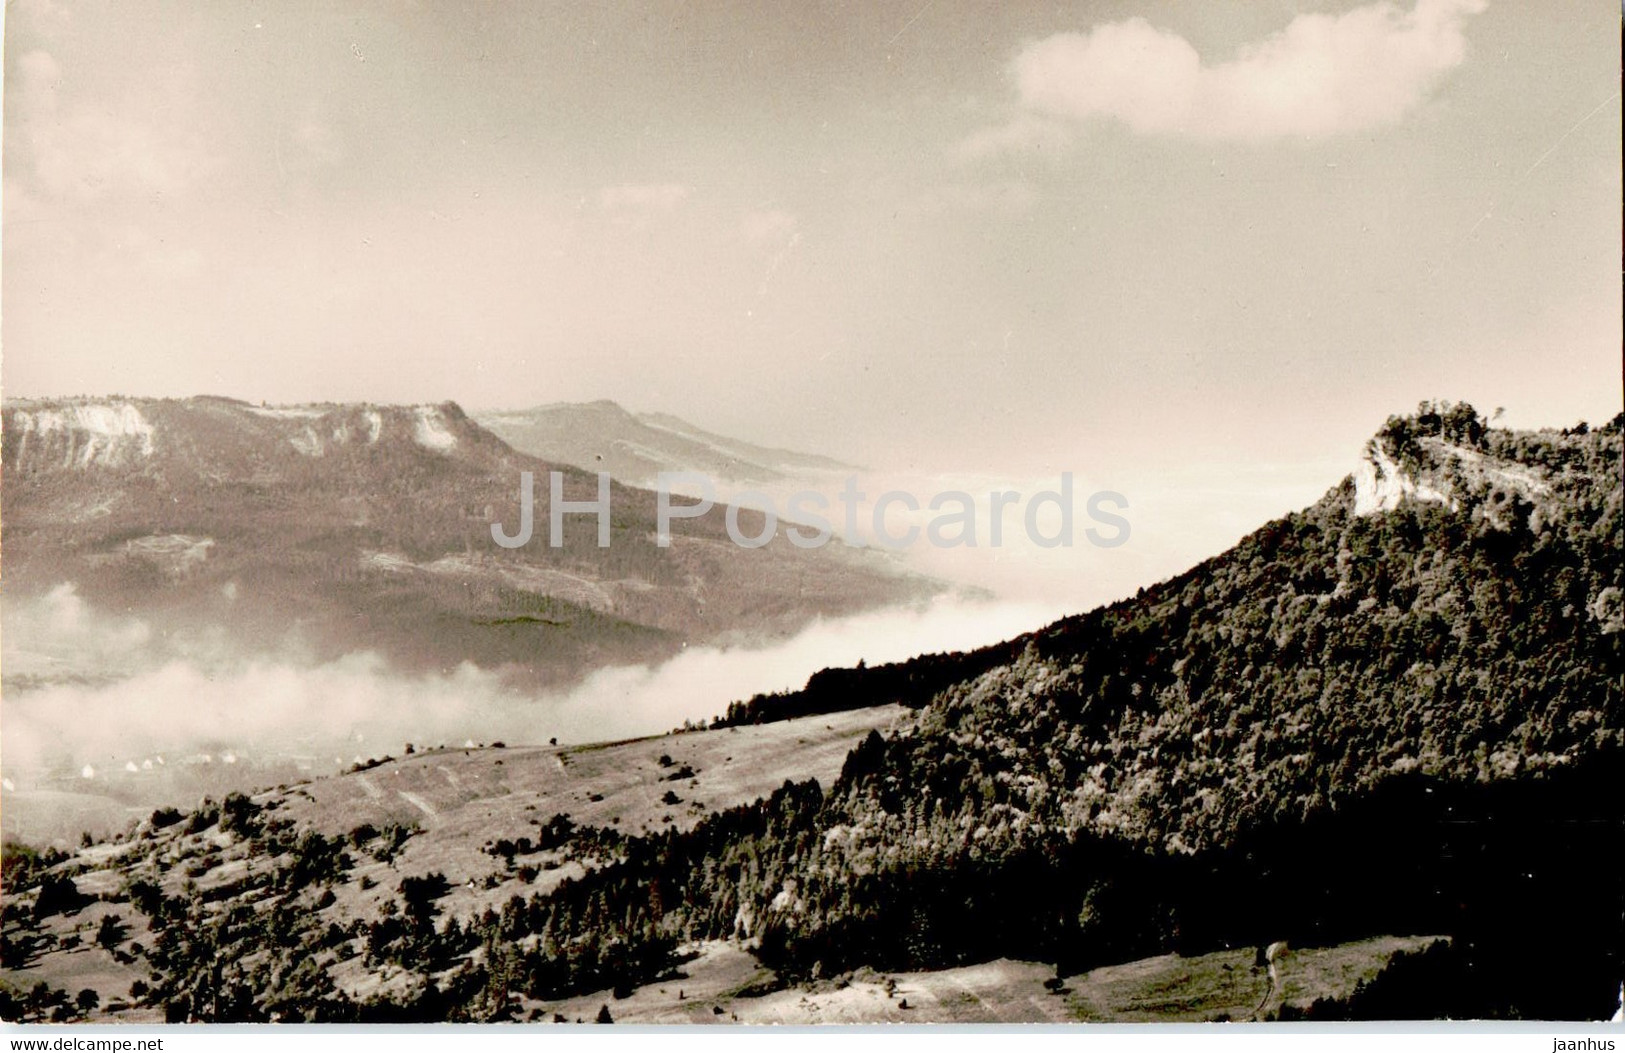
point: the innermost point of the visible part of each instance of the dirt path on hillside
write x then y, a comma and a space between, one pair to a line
419, 803
1270, 992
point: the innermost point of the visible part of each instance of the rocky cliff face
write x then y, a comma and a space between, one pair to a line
77, 433
221, 437
1435, 469
1380, 483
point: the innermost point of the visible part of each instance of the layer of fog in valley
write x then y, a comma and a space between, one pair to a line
121, 716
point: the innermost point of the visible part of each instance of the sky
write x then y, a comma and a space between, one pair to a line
1145, 242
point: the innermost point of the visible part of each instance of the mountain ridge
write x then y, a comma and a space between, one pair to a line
370, 525
636, 447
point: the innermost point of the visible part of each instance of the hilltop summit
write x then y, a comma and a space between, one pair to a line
1446, 453
213, 435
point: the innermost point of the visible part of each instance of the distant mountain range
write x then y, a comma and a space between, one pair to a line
344, 527
636, 447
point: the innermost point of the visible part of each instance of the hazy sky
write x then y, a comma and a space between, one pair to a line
952, 234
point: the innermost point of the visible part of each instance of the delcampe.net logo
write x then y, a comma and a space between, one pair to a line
956, 518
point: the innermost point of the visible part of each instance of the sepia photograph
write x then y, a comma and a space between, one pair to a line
996, 519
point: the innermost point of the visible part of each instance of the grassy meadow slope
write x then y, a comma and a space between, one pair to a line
722, 983
464, 814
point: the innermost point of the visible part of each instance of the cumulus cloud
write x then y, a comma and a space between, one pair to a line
82, 153
73, 161
1323, 75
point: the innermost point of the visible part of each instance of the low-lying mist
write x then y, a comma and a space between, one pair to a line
98, 696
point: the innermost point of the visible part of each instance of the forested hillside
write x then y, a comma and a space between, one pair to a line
1409, 717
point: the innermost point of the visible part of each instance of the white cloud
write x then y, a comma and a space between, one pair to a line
83, 153
1323, 75
1028, 132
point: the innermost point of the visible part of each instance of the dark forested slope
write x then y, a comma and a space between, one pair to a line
1399, 708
